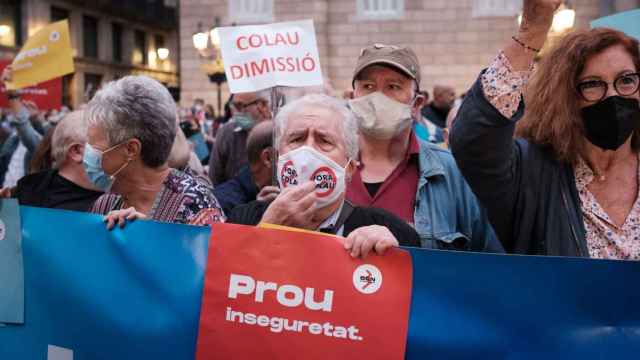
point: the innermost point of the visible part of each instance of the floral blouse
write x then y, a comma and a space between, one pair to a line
503, 87
184, 198
605, 239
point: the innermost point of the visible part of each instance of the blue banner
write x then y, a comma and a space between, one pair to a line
132, 294
628, 22
136, 293
11, 267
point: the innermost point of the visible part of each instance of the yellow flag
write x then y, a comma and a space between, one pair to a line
46, 55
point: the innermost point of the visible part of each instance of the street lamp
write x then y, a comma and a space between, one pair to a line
163, 53
564, 19
208, 46
215, 37
5, 30
200, 40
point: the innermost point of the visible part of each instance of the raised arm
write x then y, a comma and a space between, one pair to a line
20, 115
482, 136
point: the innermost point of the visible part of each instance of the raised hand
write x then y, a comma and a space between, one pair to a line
295, 207
537, 15
6, 75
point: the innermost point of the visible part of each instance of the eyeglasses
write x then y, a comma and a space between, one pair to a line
240, 107
596, 90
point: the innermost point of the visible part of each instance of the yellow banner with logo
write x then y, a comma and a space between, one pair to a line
46, 55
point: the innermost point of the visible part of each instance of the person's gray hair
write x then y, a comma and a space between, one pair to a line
136, 107
72, 129
349, 123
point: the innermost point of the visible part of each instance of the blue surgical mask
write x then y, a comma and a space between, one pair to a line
92, 162
244, 121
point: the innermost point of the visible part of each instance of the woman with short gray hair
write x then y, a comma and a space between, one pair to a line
131, 129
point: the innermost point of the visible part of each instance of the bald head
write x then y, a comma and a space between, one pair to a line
260, 138
72, 129
443, 96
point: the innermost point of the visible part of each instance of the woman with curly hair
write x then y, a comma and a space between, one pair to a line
553, 153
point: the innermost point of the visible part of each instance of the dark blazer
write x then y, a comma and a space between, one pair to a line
531, 197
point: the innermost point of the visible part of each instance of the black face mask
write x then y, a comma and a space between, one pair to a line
609, 123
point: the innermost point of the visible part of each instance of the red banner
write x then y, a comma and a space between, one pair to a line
279, 294
46, 95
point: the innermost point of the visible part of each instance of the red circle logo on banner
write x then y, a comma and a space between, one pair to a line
325, 179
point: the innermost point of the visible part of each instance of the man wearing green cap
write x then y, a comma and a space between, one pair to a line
416, 181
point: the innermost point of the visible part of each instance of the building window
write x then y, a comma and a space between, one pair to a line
10, 23
116, 41
58, 14
66, 90
495, 8
250, 11
140, 48
91, 85
90, 36
380, 9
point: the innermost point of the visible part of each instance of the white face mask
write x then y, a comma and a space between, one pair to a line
381, 117
305, 164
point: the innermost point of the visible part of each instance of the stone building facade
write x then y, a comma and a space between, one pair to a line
110, 39
454, 39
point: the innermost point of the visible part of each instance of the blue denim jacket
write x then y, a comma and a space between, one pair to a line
447, 214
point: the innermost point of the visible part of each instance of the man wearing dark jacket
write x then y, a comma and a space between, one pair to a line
228, 154
438, 109
254, 180
67, 185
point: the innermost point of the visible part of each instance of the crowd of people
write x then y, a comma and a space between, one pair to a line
543, 157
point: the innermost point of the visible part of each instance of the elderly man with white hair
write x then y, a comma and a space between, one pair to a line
317, 143
66, 186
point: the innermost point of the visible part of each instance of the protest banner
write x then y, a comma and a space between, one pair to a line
257, 57
135, 293
628, 22
11, 266
46, 55
46, 95
299, 295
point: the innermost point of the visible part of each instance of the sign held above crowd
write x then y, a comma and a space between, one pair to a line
46, 55
257, 57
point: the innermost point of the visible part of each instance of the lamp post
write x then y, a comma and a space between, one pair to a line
207, 43
163, 53
5, 30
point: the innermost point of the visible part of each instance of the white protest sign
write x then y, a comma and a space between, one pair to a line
257, 57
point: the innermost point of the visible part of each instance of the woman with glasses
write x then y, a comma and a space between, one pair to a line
553, 153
